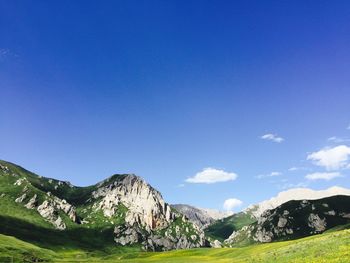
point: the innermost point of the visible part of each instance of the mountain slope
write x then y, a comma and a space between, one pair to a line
223, 228
123, 208
295, 219
295, 194
201, 217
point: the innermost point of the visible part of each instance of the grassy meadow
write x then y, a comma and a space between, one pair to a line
332, 246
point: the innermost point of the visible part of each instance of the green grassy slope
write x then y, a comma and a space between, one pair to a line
27, 224
332, 246
95, 234
222, 229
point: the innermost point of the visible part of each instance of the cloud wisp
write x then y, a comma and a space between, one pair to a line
336, 139
323, 176
212, 175
272, 137
6, 53
272, 174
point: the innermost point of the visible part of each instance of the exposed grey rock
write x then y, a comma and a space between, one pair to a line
127, 235
32, 202
21, 181
282, 222
216, 244
47, 211
146, 215
145, 204
4, 168
315, 222
330, 213
21, 198
67, 208
345, 215
263, 235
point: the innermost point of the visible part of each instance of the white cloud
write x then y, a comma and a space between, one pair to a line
294, 168
232, 203
323, 176
337, 139
292, 185
272, 174
211, 175
181, 185
272, 137
331, 158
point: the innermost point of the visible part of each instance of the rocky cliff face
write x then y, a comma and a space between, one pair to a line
296, 219
148, 219
145, 205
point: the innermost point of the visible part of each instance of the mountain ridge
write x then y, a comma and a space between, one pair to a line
126, 203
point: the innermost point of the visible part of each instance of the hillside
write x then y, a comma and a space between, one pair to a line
295, 219
121, 210
223, 228
294, 194
123, 217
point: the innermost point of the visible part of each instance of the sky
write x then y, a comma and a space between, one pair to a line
218, 104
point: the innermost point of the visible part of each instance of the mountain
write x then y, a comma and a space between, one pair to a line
200, 216
295, 219
223, 228
294, 194
121, 210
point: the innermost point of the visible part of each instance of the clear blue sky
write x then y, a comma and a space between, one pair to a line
164, 89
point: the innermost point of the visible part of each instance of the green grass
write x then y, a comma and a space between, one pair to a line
333, 246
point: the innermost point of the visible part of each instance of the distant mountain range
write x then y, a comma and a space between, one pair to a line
125, 211
201, 216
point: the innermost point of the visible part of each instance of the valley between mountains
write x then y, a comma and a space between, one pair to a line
123, 218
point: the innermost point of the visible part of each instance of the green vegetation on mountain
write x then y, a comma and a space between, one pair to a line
122, 210
295, 219
47, 220
223, 228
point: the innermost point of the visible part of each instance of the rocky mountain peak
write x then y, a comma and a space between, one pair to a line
145, 205
124, 202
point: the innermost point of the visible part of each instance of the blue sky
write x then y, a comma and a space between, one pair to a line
166, 89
